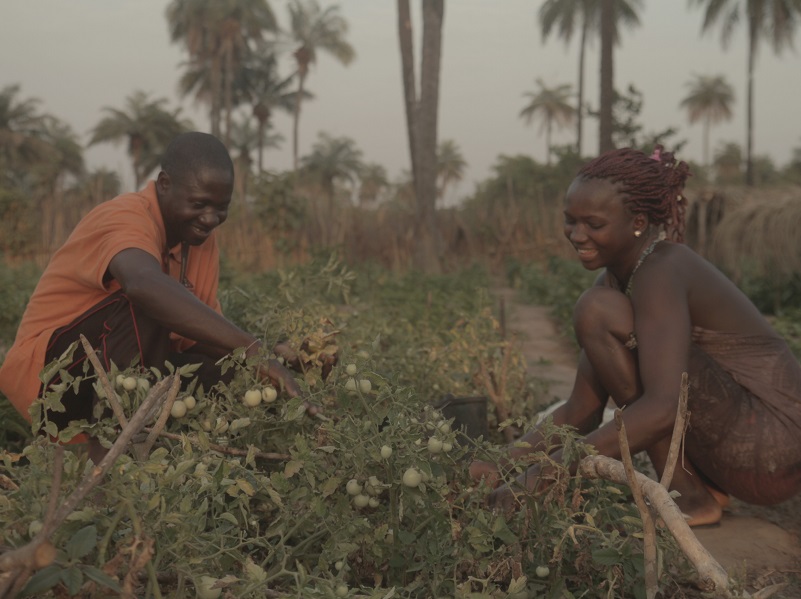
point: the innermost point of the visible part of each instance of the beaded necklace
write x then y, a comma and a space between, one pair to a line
643, 256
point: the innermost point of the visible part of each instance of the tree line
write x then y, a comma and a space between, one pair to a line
234, 53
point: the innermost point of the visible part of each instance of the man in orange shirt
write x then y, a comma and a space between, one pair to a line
138, 278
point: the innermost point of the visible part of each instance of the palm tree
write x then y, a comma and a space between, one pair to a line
333, 160
21, 131
217, 35
422, 114
709, 99
552, 106
728, 163
267, 92
772, 20
244, 139
569, 16
450, 165
374, 183
147, 127
313, 29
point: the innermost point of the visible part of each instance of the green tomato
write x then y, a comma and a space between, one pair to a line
447, 446
143, 384
374, 502
120, 378
365, 386
252, 398
412, 477
542, 571
386, 451
361, 500
269, 394
351, 369
129, 383
353, 487
350, 385
190, 402
341, 590
434, 445
178, 409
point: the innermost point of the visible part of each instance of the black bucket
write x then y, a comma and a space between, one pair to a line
469, 414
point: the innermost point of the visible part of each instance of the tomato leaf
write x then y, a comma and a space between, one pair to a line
82, 542
100, 577
44, 579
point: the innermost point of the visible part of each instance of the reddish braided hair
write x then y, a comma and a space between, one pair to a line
651, 185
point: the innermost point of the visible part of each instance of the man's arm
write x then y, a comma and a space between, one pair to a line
173, 306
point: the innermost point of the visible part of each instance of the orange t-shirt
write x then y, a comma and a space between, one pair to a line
73, 282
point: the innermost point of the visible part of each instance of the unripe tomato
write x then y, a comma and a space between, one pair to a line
365, 385
361, 500
412, 477
143, 384
353, 487
386, 451
178, 409
434, 445
341, 590
252, 398
350, 384
120, 378
190, 402
374, 502
351, 369
129, 383
444, 427
542, 571
269, 394
447, 446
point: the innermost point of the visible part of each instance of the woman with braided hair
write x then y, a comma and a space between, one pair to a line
658, 309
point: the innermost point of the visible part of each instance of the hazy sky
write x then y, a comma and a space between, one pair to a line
78, 56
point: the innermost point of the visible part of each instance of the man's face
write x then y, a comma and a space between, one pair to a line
194, 205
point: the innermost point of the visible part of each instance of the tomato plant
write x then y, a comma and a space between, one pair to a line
371, 495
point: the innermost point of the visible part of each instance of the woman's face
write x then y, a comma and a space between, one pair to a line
598, 225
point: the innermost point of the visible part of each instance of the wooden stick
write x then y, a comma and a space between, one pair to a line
18, 561
221, 448
649, 528
711, 574
153, 433
679, 429
116, 407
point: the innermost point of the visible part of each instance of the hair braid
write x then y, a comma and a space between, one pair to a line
651, 185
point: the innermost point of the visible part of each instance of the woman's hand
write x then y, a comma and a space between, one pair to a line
488, 472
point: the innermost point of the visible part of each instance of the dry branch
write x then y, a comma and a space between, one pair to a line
17, 564
649, 528
711, 574
222, 448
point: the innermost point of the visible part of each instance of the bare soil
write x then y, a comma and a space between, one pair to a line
758, 545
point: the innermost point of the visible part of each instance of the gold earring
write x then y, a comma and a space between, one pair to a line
637, 233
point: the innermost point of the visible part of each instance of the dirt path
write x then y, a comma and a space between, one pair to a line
763, 542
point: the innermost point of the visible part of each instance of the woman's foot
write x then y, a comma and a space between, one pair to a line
701, 509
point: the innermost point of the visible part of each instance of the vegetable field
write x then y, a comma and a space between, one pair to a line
243, 493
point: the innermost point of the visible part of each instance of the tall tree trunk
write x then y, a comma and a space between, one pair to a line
607, 99
302, 70
749, 144
548, 141
580, 100
421, 121
409, 85
228, 85
706, 146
